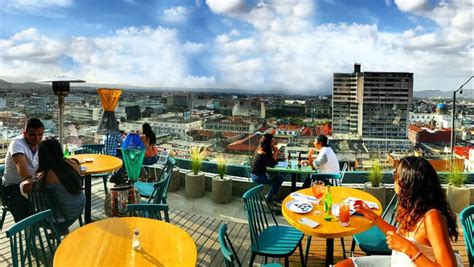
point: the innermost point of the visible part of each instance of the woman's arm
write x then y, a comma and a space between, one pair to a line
363, 209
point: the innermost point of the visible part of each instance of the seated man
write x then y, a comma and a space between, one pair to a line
326, 160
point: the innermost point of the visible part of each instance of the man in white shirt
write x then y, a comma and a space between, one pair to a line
326, 161
21, 163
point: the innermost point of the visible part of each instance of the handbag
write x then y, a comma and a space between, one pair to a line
118, 198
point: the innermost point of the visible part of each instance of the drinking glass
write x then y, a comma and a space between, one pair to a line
344, 214
318, 191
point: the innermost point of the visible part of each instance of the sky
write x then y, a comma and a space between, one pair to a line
289, 46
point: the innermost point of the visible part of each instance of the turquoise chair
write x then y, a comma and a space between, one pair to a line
230, 256
269, 240
3, 199
33, 240
373, 241
95, 149
467, 222
152, 211
157, 192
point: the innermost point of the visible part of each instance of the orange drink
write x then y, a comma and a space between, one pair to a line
344, 214
318, 189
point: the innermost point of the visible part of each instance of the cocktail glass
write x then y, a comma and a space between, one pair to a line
344, 214
318, 191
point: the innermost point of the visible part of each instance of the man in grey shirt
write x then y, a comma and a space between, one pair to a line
21, 163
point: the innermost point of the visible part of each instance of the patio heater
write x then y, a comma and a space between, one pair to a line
61, 85
109, 99
453, 136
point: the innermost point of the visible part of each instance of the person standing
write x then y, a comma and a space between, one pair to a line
265, 156
21, 163
326, 161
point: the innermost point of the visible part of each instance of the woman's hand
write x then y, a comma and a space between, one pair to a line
399, 243
363, 209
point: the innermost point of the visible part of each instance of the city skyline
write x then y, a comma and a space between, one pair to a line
251, 45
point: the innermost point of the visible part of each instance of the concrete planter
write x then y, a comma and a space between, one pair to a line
174, 180
221, 189
458, 197
195, 185
377, 192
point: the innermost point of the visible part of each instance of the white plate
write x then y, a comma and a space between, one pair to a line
299, 206
88, 159
335, 210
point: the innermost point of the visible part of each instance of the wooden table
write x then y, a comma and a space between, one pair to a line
331, 229
295, 172
109, 243
100, 164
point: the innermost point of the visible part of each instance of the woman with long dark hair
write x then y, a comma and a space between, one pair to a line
265, 156
426, 223
63, 177
149, 139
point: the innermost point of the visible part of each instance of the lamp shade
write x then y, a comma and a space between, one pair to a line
109, 99
133, 152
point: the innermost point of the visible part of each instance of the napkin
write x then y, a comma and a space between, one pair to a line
22, 184
304, 197
371, 205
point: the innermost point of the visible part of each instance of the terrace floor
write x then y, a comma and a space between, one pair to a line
201, 219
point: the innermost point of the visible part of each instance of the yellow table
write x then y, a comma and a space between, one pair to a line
109, 243
331, 229
100, 164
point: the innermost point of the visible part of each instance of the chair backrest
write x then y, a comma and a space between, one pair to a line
160, 193
152, 211
343, 171
228, 251
391, 211
40, 199
91, 149
467, 222
257, 208
333, 179
33, 240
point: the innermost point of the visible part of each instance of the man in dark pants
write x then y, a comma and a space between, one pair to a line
21, 163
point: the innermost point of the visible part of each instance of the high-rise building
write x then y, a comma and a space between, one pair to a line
372, 104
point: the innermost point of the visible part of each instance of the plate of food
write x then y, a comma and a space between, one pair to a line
299, 206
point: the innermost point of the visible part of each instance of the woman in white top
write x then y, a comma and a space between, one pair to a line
426, 221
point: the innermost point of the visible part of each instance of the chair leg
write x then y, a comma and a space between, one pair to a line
353, 245
303, 261
80, 220
252, 259
343, 248
4, 214
167, 217
104, 180
287, 262
308, 245
265, 260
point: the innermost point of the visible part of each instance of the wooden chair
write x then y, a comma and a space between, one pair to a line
269, 240
373, 241
228, 251
33, 240
467, 222
152, 211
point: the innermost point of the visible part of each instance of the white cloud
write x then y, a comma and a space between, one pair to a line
412, 5
35, 5
226, 7
176, 14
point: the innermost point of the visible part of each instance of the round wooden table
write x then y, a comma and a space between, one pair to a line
100, 164
331, 229
109, 243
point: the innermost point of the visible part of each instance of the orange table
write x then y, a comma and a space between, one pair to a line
109, 243
100, 164
331, 229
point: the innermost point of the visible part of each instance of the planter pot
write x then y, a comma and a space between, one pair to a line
195, 185
221, 189
458, 197
174, 180
377, 192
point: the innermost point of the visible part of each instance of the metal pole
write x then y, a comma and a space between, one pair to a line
61, 118
453, 136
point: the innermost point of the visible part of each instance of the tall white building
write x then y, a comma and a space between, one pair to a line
372, 104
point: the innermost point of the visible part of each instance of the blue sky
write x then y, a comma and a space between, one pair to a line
260, 46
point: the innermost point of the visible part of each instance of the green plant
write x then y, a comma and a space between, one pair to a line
375, 174
221, 166
197, 156
456, 177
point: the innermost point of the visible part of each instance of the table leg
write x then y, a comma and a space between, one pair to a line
329, 251
87, 191
293, 182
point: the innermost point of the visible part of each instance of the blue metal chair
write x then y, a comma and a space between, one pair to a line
95, 149
467, 222
373, 241
33, 240
228, 251
3, 199
269, 240
152, 211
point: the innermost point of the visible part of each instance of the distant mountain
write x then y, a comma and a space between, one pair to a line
27, 85
467, 93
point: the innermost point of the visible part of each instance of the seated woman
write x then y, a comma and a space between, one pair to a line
63, 177
264, 156
426, 221
149, 139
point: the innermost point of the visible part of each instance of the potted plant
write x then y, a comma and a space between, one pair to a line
195, 181
457, 194
221, 185
375, 186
